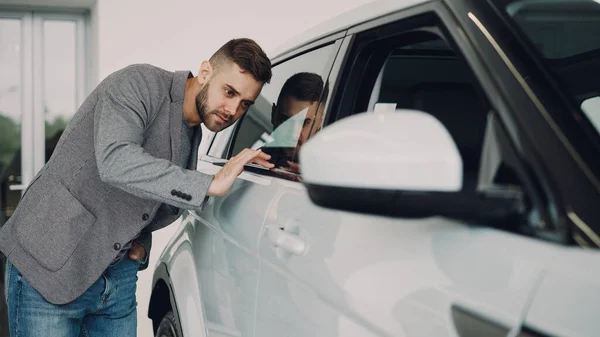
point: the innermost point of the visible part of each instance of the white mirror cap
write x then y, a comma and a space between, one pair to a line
402, 150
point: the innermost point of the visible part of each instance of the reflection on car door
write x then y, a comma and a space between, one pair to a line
225, 238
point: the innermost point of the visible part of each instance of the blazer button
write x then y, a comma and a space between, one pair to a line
117, 246
145, 216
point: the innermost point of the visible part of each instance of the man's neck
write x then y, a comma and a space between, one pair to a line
190, 113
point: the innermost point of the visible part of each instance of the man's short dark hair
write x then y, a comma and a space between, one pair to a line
303, 86
248, 55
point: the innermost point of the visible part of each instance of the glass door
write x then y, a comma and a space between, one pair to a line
42, 83
42, 58
16, 143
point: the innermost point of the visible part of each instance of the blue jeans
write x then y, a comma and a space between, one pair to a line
107, 308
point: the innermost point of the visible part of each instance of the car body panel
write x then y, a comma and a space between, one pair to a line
567, 302
392, 277
366, 275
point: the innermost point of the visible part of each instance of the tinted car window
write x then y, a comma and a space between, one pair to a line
289, 110
565, 35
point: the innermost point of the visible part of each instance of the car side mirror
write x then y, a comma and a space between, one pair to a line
403, 163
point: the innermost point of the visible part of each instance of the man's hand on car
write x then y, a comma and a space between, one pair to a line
224, 179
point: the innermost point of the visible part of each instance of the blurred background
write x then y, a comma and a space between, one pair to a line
54, 52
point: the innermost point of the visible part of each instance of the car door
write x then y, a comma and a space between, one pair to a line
218, 256
333, 273
227, 230
212, 259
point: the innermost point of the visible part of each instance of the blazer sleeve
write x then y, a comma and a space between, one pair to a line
120, 119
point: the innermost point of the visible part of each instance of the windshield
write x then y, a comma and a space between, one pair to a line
566, 33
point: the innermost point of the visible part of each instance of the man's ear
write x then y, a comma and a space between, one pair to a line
205, 73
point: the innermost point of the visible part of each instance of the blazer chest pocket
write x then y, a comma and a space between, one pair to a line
52, 230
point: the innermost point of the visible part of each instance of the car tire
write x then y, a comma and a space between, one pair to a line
168, 327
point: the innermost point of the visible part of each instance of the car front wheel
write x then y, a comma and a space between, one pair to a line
168, 327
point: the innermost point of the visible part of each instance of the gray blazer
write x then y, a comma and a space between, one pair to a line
114, 165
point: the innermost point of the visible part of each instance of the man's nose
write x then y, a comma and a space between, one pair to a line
231, 106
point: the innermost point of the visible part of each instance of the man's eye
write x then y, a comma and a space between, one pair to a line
229, 93
245, 105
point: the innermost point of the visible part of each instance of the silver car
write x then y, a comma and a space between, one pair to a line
437, 174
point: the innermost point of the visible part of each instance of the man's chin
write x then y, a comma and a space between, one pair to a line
212, 127
216, 127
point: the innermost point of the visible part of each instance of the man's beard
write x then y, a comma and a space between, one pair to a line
209, 118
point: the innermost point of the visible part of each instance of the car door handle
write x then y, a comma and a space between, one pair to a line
286, 241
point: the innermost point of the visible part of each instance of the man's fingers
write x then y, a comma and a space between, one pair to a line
261, 158
244, 156
264, 156
226, 176
263, 162
235, 165
251, 155
247, 152
137, 252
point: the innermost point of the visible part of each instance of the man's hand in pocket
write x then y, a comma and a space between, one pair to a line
137, 252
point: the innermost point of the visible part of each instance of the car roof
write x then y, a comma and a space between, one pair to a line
344, 21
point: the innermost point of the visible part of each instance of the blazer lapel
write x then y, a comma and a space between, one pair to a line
176, 120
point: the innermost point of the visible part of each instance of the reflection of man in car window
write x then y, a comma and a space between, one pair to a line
297, 115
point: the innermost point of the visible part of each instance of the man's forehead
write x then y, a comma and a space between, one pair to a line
229, 67
242, 81
293, 105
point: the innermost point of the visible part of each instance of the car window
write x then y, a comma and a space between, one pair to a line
420, 71
565, 35
288, 111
